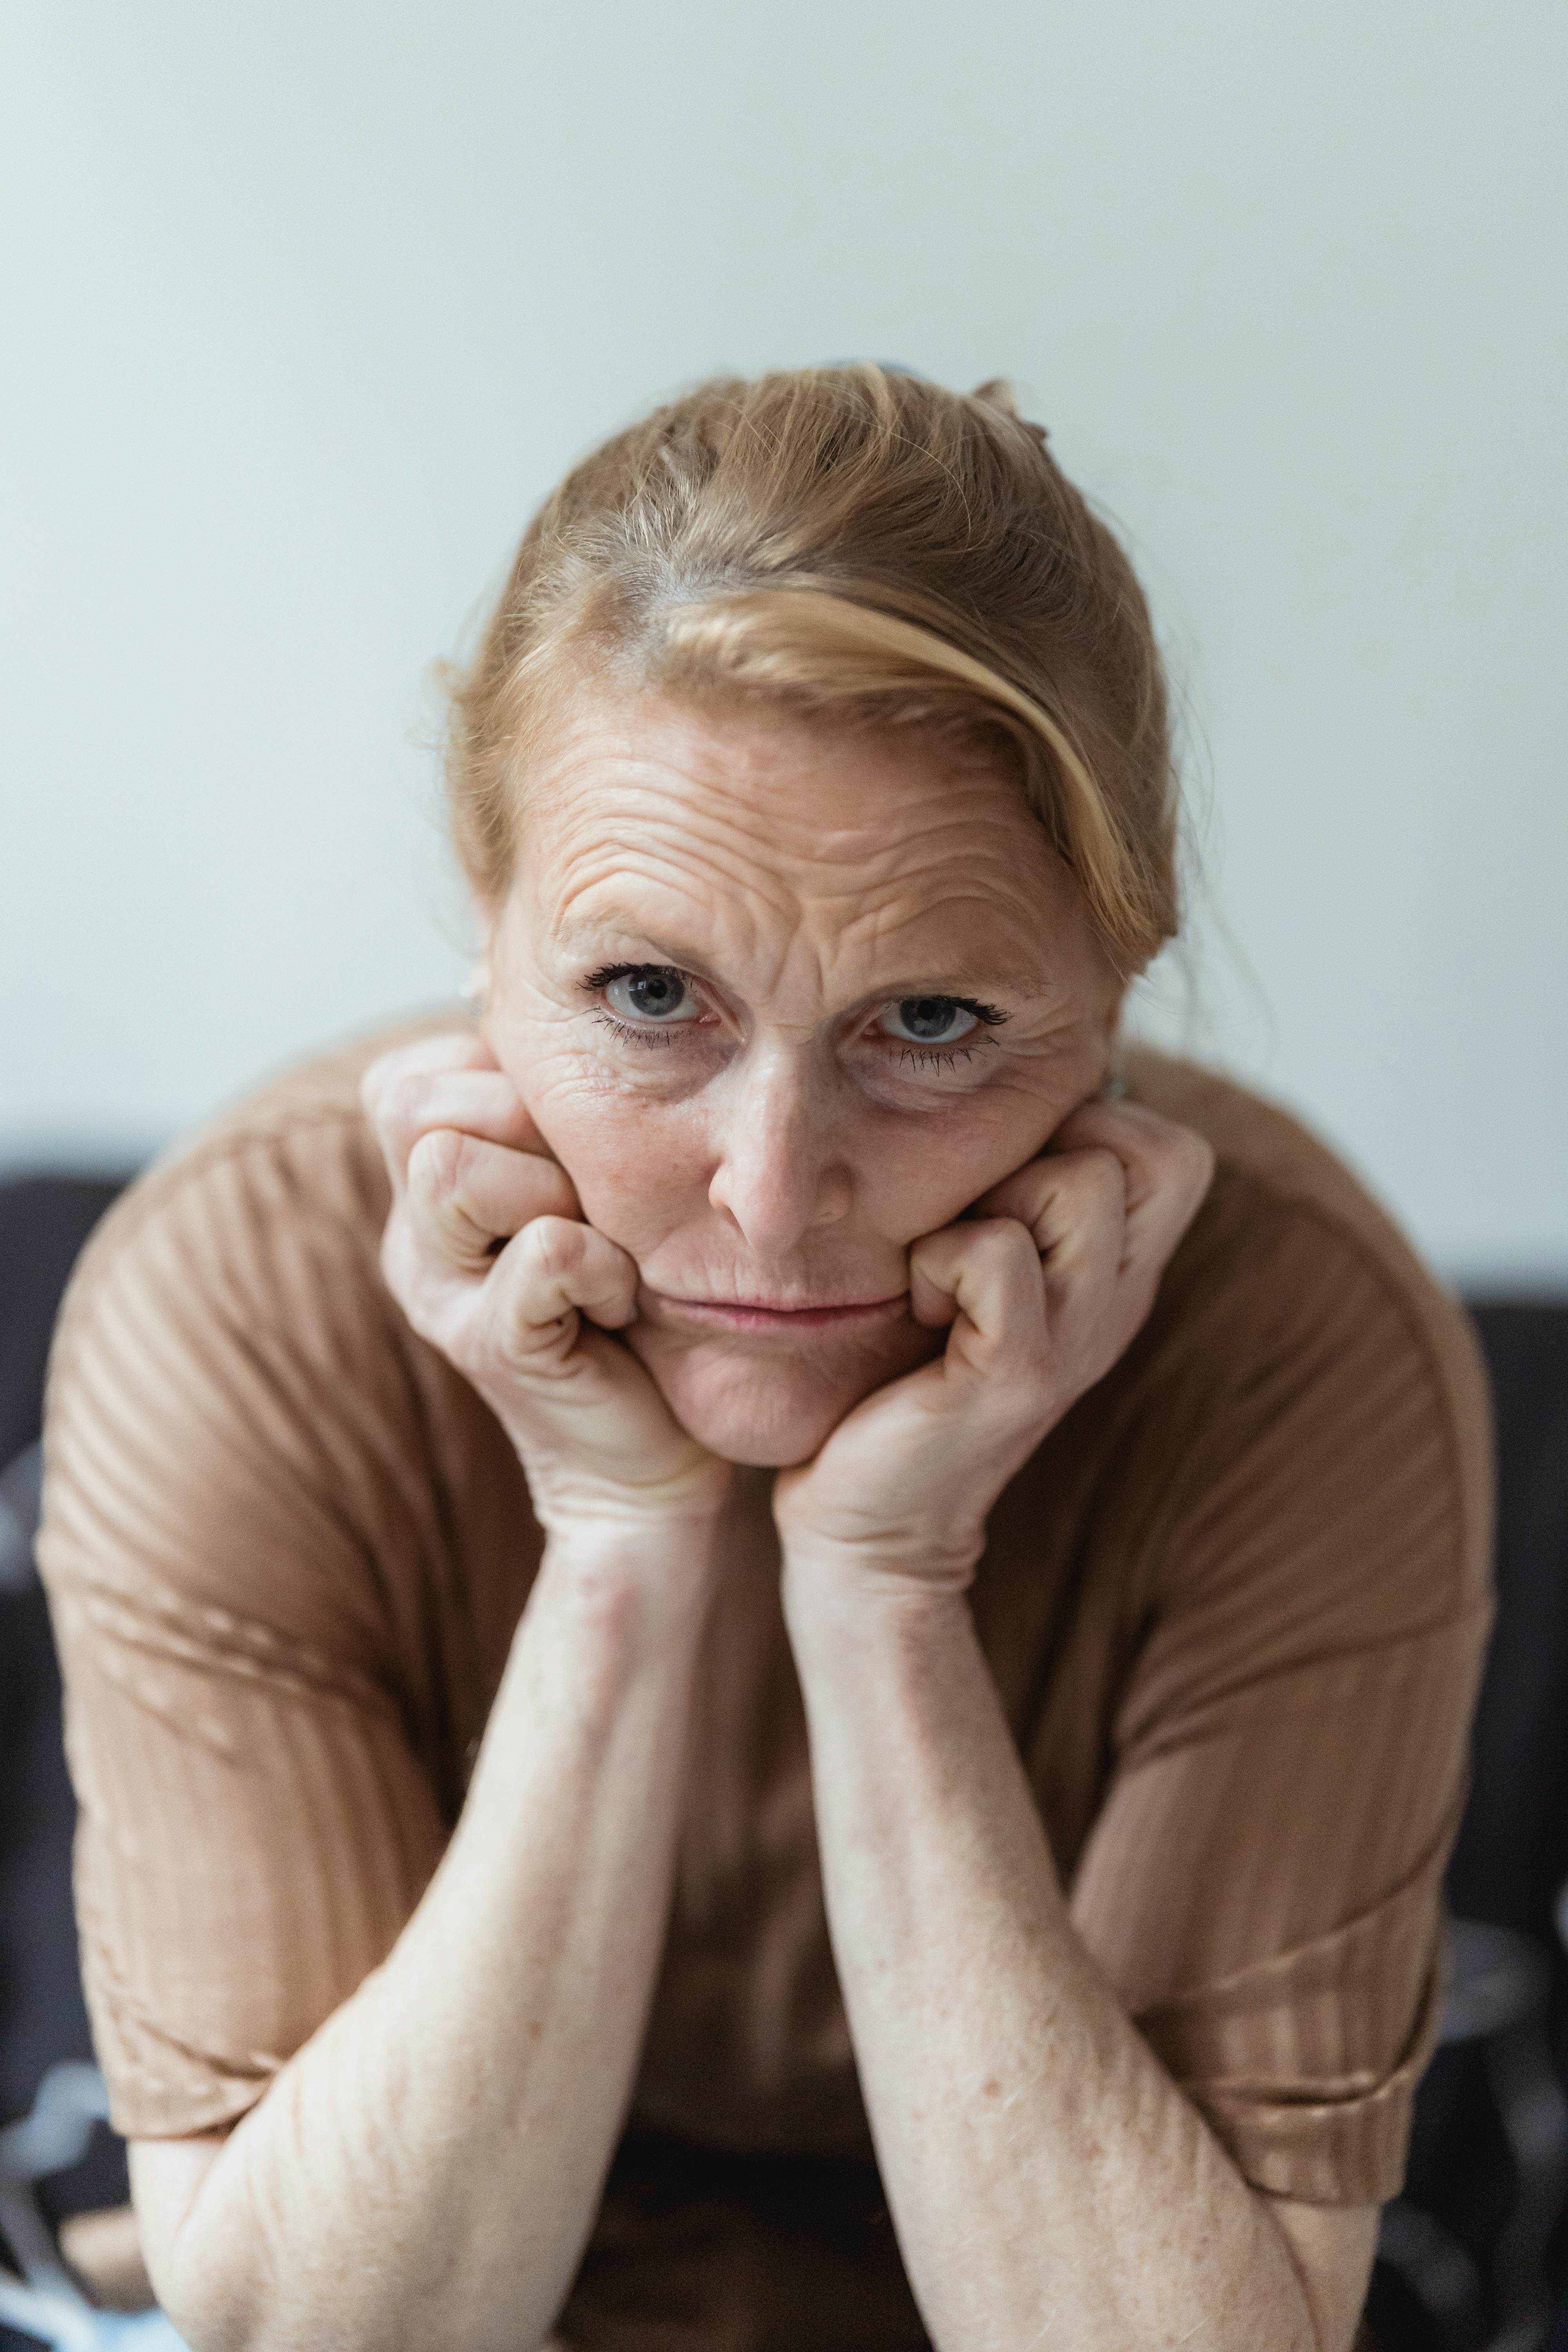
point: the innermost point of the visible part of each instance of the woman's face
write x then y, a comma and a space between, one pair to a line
782, 999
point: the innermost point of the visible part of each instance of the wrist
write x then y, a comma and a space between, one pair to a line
893, 1564
594, 1513
635, 1571
838, 1603
912, 1545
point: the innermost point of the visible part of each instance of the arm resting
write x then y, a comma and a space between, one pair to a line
1048, 2179
423, 2174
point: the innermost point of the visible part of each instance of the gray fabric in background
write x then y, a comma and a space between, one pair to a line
21, 1485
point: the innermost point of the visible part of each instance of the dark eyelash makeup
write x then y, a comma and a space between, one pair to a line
992, 1015
595, 981
934, 1058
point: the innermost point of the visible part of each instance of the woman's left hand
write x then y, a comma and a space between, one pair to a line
1043, 1286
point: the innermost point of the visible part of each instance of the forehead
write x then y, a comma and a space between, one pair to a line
733, 823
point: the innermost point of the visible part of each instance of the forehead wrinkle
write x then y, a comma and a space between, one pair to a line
929, 890
844, 861
681, 926
804, 897
735, 860
687, 866
879, 952
740, 788
890, 936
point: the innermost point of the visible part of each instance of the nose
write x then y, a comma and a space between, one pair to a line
782, 1171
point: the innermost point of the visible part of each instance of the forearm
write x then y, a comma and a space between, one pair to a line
1048, 2180
424, 2171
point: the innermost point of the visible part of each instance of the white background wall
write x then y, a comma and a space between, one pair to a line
308, 304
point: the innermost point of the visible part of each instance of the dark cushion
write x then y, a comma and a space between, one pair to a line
44, 1221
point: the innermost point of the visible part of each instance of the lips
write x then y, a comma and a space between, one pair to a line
767, 1315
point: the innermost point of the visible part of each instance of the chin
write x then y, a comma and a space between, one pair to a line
753, 1415
764, 1413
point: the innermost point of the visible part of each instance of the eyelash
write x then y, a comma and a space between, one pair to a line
593, 980
651, 1036
932, 1057
917, 1059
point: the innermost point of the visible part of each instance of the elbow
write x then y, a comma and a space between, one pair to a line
202, 2254
206, 2287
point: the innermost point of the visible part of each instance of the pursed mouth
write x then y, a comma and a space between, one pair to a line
767, 1315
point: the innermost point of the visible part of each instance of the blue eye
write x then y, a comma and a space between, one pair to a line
929, 1020
652, 993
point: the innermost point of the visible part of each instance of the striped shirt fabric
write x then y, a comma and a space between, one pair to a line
1235, 1606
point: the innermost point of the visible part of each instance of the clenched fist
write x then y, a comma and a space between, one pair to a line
487, 1253
1041, 1287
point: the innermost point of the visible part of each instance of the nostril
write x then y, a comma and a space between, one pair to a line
834, 1196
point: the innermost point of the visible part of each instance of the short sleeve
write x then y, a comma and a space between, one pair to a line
240, 1530
1289, 1752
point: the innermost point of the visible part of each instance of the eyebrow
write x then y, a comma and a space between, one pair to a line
957, 981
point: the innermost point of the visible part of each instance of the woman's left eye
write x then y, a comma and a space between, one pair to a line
928, 1020
651, 994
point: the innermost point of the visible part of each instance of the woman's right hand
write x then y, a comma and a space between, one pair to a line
487, 1255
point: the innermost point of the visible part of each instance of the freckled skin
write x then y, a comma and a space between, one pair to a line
784, 1147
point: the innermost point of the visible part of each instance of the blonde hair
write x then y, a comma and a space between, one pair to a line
855, 543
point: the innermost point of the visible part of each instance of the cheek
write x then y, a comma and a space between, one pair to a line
641, 1168
918, 1176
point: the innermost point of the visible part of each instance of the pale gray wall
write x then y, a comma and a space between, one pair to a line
308, 304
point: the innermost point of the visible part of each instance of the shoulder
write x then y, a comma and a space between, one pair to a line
231, 1384
1298, 1310
1284, 1169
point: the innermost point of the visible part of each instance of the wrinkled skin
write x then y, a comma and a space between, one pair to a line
737, 1152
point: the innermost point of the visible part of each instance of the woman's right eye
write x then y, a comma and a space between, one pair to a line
651, 994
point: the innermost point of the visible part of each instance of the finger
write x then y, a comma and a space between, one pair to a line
1168, 1168
557, 1267
464, 1195
389, 1088
483, 1103
1074, 1204
452, 1049
986, 1279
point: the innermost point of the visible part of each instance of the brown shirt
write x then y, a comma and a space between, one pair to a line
1235, 1607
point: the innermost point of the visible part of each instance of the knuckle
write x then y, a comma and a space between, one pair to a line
1000, 1242
1198, 1158
979, 1252
438, 1162
1104, 1170
549, 1252
384, 1072
555, 1246
402, 1104
421, 1062
1185, 1161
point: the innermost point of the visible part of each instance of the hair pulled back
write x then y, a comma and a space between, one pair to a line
855, 543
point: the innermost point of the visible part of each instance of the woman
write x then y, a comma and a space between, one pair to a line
950, 1849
